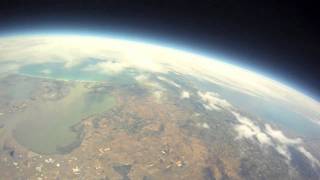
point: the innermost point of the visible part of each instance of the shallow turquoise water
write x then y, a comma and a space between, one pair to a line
58, 71
76, 73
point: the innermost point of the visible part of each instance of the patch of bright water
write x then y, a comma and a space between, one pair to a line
47, 127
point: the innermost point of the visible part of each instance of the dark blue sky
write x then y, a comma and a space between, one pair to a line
278, 38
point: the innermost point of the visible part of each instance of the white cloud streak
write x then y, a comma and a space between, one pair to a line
185, 95
169, 81
271, 137
247, 129
213, 101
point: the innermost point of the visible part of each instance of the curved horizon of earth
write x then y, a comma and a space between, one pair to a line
141, 111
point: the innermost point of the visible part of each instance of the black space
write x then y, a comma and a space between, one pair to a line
280, 38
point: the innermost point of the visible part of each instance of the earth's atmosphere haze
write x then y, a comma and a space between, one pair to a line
85, 107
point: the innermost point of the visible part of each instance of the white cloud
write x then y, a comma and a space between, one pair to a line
247, 129
106, 67
244, 131
157, 89
271, 137
185, 95
203, 125
141, 78
284, 142
168, 81
280, 137
283, 150
144, 80
315, 162
213, 101
317, 122
263, 138
158, 95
